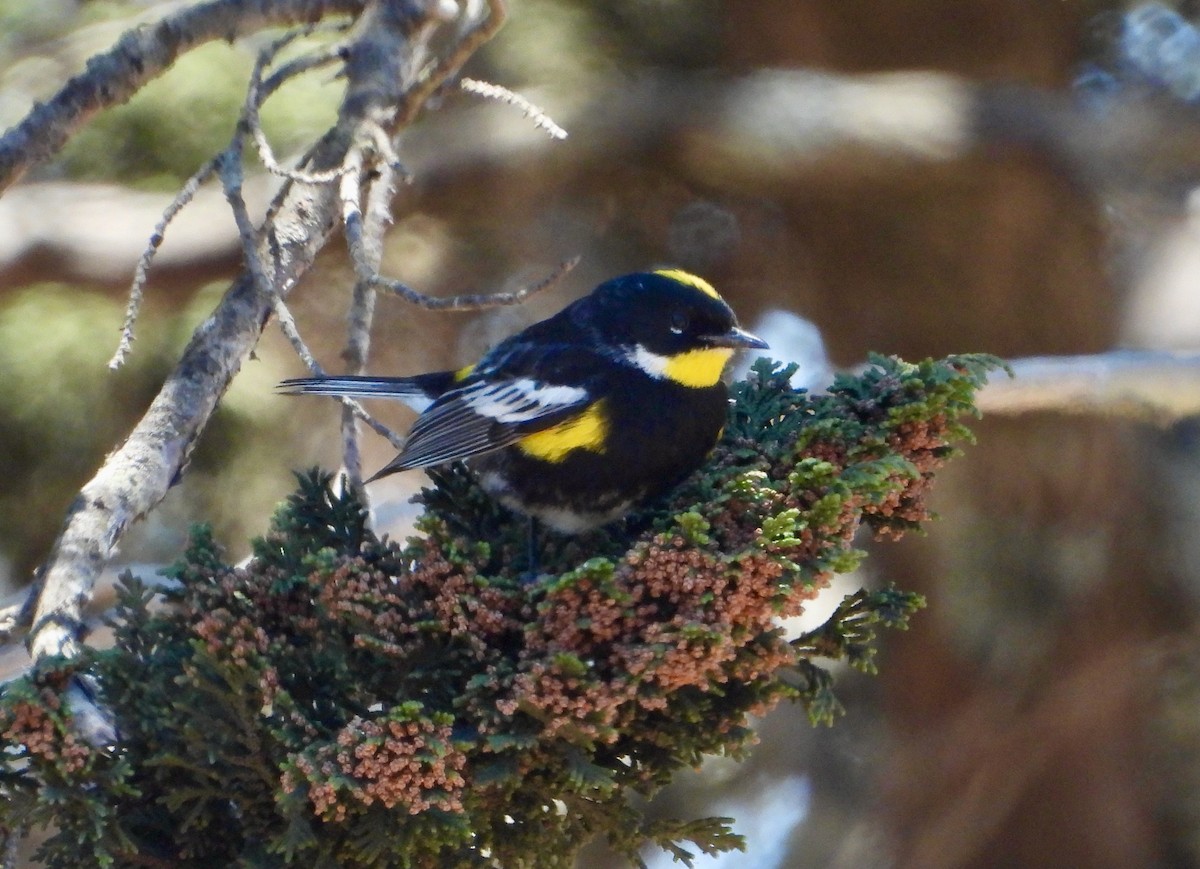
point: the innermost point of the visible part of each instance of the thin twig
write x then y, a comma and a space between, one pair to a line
396, 440
308, 61
256, 95
137, 287
362, 303
498, 92
446, 67
473, 301
386, 151
298, 66
229, 168
287, 325
231, 180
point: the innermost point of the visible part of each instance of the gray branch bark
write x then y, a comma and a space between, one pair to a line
385, 67
139, 56
1156, 387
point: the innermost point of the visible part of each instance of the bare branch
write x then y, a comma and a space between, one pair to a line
1150, 386
366, 243
473, 301
139, 56
384, 148
299, 66
229, 167
256, 94
287, 325
138, 287
449, 65
496, 92
136, 476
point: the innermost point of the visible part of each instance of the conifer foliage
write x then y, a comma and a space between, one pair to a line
344, 700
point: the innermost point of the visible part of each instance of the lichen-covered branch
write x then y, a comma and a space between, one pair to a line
385, 60
138, 57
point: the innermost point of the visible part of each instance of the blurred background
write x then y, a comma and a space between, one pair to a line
918, 177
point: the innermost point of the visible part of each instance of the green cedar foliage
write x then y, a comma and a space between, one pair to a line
350, 701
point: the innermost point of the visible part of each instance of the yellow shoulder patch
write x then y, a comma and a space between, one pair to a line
690, 280
463, 373
584, 431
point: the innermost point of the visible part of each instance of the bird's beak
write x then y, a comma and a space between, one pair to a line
736, 338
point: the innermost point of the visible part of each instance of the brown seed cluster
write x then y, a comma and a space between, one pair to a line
393, 761
471, 611
39, 728
924, 444
389, 610
587, 655
430, 680
607, 649
231, 636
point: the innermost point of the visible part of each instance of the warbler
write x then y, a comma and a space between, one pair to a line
581, 417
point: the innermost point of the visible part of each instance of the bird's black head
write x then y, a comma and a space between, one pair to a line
670, 323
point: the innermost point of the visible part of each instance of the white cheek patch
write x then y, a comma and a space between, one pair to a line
524, 400
654, 364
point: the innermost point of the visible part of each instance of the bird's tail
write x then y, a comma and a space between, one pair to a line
417, 392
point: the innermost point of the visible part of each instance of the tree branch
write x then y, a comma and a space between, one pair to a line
139, 56
383, 63
1149, 386
365, 237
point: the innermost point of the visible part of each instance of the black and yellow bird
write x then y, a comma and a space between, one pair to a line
574, 421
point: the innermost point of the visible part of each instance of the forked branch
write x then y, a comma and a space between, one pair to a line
385, 88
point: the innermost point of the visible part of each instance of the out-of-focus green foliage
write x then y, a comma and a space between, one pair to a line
347, 701
594, 41
59, 400
63, 409
180, 120
177, 121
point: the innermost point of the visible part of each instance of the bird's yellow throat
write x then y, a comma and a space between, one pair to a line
698, 368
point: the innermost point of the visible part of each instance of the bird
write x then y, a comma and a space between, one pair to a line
584, 416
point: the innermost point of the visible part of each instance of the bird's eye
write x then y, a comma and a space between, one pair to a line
679, 322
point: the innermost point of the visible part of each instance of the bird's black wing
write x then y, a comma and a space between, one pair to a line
505, 398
